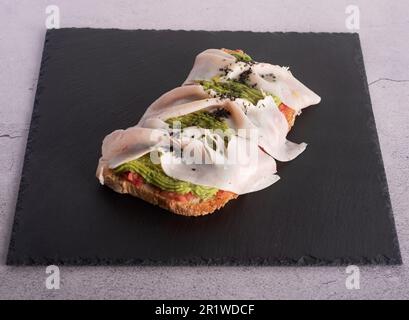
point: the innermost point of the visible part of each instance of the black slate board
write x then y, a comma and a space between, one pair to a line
331, 205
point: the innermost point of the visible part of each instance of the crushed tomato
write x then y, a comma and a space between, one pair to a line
178, 196
288, 113
138, 181
134, 178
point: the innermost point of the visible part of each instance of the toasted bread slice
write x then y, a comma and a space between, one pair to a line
151, 194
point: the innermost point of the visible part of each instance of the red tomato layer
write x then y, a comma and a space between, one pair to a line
134, 178
137, 180
288, 113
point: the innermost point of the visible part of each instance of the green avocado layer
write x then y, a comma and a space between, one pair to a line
233, 89
240, 56
154, 174
201, 119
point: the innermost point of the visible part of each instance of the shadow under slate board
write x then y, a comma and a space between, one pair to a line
331, 205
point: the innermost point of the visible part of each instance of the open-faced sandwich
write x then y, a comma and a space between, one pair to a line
214, 138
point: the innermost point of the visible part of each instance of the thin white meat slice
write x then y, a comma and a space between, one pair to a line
176, 97
122, 146
272, 129
245, 167
280, 82
208, 64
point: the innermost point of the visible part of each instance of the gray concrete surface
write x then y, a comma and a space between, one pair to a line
383, 32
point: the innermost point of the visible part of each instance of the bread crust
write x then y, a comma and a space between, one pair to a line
151, 194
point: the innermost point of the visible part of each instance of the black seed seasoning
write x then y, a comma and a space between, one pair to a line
221, 113
244, 76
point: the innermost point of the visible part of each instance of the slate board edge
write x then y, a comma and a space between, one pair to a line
228, 261
382, 173
49, 32
30, 139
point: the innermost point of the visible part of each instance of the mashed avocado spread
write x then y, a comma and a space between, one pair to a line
240, 55
233, 89
154, 174
201, 119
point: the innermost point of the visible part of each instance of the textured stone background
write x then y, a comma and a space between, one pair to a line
384, 39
